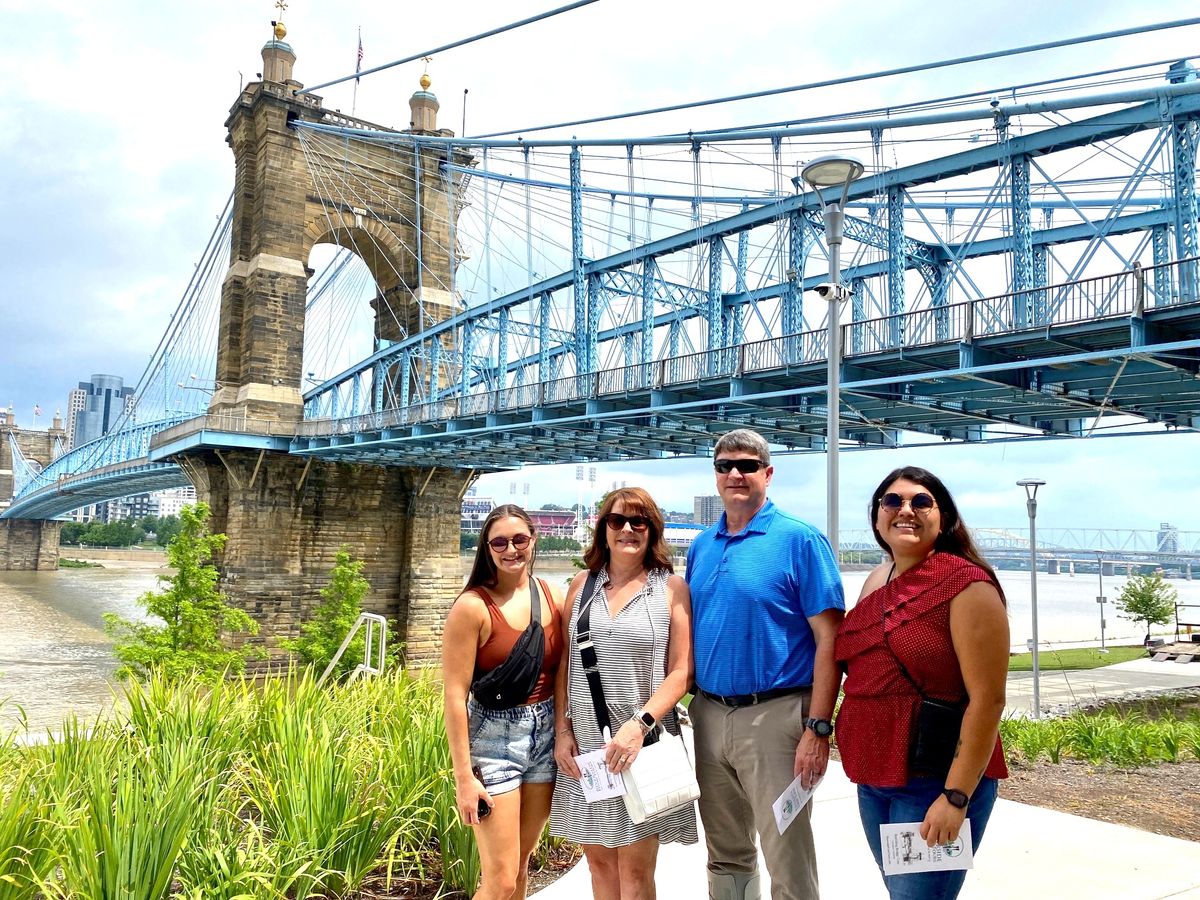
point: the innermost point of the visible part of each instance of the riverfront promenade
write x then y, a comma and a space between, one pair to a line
1027, 851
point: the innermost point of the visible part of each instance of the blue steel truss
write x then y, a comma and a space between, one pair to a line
617, 355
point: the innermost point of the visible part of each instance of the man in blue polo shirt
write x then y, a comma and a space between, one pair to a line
766, 603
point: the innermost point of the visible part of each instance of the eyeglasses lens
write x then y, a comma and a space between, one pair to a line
616, 522
919, 502
745, 466
500, 544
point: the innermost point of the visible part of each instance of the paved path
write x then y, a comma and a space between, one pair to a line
1058, 688
1028, 852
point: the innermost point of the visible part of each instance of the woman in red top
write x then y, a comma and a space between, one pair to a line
503, 758
929, 621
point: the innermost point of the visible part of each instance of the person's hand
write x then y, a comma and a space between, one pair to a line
565, 751
467, 794
812, 758
943, 821
623, 749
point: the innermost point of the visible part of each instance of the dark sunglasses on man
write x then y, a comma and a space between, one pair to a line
500, 544
616, 521
745, 466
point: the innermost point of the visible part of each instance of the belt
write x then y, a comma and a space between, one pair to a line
738, 700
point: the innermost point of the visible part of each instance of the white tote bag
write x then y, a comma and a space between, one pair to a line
660, 779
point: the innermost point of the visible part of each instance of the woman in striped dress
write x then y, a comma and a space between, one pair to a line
641, 626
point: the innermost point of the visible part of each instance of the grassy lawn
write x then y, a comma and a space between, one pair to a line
1082, 658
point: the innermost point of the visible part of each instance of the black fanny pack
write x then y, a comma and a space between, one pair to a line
511, 682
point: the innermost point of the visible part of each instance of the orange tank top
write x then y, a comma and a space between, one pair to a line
500, 643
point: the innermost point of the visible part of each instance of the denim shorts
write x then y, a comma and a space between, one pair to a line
512, 746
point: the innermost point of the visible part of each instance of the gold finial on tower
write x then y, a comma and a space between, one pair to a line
426, 81
280, 28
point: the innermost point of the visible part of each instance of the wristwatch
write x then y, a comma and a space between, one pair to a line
820, 727
957, 799
645, 720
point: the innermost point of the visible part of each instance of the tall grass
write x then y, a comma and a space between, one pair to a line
1122, 737
236, 791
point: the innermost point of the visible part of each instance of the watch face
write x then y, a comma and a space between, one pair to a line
957, 798
647, 719
820, 727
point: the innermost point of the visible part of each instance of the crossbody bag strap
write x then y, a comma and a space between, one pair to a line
587, 656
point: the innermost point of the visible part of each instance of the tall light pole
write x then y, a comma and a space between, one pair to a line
1101, 599
832, 171
1031, 486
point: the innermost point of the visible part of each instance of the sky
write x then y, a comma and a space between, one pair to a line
112, 148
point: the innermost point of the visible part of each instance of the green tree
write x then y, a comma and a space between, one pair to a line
333, 618
165, 530
197, 622
467, 541
1147, 598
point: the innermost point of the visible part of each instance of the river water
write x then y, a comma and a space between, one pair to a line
55, 658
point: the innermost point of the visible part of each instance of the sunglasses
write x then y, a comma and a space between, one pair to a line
745, 466
500, 544
616, 522
920, 503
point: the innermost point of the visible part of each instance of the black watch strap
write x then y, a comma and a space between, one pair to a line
956, 798
820, 727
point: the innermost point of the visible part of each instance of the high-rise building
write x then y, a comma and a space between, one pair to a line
169, 503
104, 401
707, 509
76, 403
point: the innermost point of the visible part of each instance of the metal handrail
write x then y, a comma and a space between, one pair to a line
371, 620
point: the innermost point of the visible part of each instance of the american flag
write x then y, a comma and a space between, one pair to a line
358, 65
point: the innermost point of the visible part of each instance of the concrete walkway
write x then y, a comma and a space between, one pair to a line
1028, 852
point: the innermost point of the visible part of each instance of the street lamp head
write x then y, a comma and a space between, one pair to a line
1031, 486
832, 171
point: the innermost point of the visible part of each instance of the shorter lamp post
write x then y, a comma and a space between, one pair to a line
1101, 599
1031, 486
832, 171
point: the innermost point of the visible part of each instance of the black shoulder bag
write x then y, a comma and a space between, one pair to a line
591, 665
934, 738
511, 682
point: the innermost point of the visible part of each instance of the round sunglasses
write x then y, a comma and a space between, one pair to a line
500, 544
616, 521
920, 503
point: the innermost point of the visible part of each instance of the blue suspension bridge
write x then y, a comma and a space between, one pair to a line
1023, 264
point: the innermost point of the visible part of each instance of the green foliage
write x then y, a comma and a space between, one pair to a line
1119, 737
64, 563
551, 543
1147, 598
164, 528
237, 791
196, 620
467, 541
101, 534
334, 616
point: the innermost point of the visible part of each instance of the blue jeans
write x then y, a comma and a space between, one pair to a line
879, 806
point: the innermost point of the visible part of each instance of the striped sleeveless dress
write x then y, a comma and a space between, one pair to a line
632, 653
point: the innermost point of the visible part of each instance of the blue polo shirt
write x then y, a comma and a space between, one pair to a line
752, 596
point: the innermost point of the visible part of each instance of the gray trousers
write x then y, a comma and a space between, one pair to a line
745, 758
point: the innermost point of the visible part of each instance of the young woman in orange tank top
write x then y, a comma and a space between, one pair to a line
503, 758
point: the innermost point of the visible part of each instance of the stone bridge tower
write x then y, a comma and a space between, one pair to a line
287, 516
27, 544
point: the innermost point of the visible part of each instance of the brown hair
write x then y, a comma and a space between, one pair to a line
637, 503
483, 572
954, 538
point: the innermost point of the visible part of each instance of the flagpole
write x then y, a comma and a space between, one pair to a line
357, 69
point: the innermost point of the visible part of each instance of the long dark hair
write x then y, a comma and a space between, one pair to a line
954, 537
483, 572
637, 503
